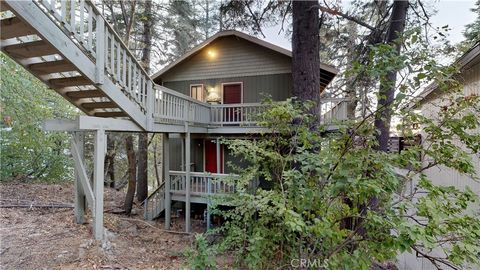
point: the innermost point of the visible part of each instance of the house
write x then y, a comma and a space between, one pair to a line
432, 99
211, 92
238, 71
233, 72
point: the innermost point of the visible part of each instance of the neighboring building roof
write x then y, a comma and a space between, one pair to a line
467, 60
325, 67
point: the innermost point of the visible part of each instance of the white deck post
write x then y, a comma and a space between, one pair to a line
187, 180
218, 154
166, 173
77, 138
98, 175
150, 105
100, 51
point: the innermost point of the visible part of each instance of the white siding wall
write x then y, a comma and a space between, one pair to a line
441, 175
234, 57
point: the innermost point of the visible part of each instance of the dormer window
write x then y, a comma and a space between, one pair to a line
196, 92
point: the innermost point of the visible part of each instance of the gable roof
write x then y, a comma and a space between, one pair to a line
325, 67
467, 60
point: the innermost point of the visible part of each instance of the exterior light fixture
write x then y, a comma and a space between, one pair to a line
211, 53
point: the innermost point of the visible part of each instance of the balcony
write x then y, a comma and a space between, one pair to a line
172, 107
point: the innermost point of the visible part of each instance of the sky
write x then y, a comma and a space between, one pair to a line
454, 13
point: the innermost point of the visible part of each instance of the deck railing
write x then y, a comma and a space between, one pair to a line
86, 27
174, 107
243, 114
200, 183
155, 203
332, 109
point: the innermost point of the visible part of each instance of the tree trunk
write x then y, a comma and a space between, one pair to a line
132, 171
386, 93
142, 184
305, 52
110, 160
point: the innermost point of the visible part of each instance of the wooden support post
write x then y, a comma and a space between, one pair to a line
209, 191
166, 173
187, 180
100, 51
77, 138
218, 155
150, 104
98, 174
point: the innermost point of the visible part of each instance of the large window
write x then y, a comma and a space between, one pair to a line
196, 91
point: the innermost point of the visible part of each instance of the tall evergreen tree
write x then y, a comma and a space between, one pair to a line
305, 52
472, 30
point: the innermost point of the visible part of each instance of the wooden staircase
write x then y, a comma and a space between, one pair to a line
70, 47
154, 205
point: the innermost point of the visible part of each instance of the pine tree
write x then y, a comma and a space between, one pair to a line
472, 30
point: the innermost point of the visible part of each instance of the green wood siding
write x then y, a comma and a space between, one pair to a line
233, 57
278, 86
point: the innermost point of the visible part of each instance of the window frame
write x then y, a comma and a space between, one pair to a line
202, 91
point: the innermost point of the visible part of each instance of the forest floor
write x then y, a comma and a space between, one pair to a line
46, 238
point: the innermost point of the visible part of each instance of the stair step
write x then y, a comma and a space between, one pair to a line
110, 114
85, 94
30, 49
52, 67
70, 81
99, 105
14, 27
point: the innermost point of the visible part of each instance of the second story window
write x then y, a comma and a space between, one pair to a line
196, 91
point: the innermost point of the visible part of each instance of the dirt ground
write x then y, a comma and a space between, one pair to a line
45, 238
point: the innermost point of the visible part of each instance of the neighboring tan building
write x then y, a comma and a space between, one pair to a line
432, 100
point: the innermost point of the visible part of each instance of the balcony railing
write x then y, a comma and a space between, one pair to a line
242, 114
201, 183
175, 108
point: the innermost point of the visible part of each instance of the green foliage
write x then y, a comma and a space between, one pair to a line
472, 30
26, 150
334, 201
200, 257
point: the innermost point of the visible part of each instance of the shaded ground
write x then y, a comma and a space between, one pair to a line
43, 238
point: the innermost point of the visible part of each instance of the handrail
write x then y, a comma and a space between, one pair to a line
87, 27
155, 191
95, 9
219, 175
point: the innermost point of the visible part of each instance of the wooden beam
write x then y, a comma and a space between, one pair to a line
98, 182
84, 94
166, 175
60, 125
69, 81
82, 173
14, 27
93, 123
187, 180
79, 193
30, 49
110, 114
52, 67
99, 105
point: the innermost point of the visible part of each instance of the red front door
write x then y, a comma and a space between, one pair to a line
211, 156
232, 94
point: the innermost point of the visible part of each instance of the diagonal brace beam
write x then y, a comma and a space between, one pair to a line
82, 173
